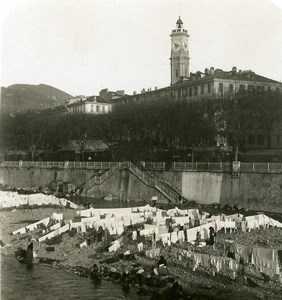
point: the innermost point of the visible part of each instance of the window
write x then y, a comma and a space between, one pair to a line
242, 87
176, 73
209, 87
250, 87
195, 90
277, 90
190, 91
259, 88
103, 109
220, 88
202, 89
260, 139
231, 88
251, 139
179, 93
184, 92
98, 108
268, 89
92, 108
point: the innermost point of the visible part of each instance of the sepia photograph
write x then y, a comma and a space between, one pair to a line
141, 149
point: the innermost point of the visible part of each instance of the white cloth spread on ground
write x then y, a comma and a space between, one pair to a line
13, 199
140, 247
174, 237
115, 220
115, 246
32, 226
181, 236
266, 260
153, 253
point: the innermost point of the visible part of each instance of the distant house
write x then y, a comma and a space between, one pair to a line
101, 104
92, 105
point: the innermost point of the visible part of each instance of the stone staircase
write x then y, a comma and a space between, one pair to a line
97, 180
162, 186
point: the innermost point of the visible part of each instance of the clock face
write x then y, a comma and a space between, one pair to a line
176, 45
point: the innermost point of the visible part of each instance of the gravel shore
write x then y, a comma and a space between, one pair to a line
199, 284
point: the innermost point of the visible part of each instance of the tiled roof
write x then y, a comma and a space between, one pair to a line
102, 100
248, 75
243, 75
91, 99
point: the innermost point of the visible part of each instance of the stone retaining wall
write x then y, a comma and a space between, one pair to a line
258, 191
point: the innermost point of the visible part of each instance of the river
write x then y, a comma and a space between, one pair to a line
41, 282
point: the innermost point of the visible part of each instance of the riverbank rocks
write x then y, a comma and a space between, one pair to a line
129, 267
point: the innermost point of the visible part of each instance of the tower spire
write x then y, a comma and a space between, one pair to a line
179, 59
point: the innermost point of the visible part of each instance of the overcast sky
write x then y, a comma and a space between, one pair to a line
81, 46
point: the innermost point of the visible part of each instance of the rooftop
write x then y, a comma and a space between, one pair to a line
241, 75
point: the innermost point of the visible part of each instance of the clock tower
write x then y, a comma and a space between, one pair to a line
179, 59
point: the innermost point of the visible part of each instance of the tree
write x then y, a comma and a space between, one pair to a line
138, 124
29, 133
266, 112
7, 137
235, 118
79, 127
197, 125
57, 133
108, 129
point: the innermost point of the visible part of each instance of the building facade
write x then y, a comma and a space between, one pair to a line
209, 84
101, 104
91, 105
205, 85
200, 85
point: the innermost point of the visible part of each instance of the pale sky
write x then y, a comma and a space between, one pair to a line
81, 46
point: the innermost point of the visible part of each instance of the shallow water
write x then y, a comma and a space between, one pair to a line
40, 282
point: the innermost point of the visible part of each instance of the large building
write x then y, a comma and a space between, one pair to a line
204, 85
199, 85
211, 83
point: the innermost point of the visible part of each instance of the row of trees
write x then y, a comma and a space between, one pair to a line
145, 128
246, 112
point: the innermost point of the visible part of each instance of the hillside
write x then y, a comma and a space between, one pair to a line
23, 97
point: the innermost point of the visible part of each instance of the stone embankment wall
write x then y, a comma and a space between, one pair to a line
124, 186
36, 177
258, 191
203, 187
255, 191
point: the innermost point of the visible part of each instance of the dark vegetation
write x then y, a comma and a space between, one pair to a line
150, 130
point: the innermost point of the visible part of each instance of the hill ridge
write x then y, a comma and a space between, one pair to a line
18, 98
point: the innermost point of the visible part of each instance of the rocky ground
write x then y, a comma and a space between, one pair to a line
199, 284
